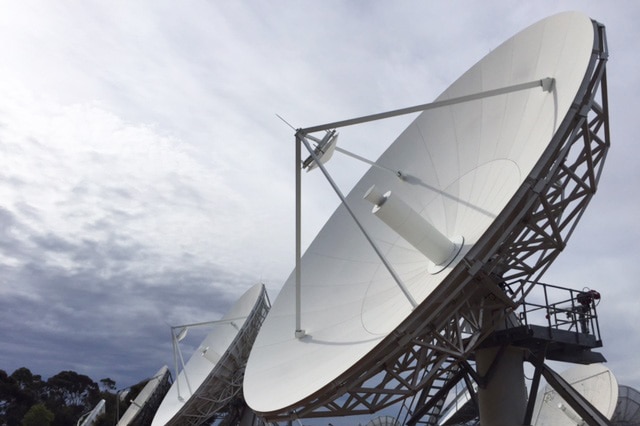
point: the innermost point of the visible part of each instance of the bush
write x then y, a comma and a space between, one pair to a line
38, 415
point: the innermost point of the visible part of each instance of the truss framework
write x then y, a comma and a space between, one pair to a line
430, 348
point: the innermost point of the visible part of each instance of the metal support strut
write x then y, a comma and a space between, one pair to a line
547, 84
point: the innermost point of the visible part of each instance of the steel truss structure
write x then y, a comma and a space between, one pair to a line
224, 383
431, 350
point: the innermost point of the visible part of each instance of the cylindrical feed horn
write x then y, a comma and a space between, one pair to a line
410, 225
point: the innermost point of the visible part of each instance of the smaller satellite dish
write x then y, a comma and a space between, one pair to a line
595, 382
384, 421
628, 408
92, 416
212, 377
124, 394
146, 403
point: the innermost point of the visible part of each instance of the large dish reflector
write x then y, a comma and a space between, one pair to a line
595, 382
213, 375
462, 166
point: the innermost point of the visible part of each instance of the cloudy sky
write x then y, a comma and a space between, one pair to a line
145, 179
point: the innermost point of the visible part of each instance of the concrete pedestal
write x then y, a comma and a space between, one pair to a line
503, 401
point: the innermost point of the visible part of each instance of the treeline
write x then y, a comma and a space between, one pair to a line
27, 400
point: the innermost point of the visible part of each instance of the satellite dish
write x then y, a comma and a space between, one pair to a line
213, 375
595, 382
144, 406
628, 407
384, 421
92, 416
472, 172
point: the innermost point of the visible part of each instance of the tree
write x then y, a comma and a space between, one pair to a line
69, 394
110, 396
107, 384
38, 415
66, 396
26, 379
70, 388
30, 384
9, 393
18, 393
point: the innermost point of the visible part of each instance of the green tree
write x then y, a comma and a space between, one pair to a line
72, 389
107, 384
68, 395
38, 415
27, 380
18, 392
9, 394
30, 384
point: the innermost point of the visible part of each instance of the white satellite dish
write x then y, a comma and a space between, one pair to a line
595, 382
471, 171
144, 406
92, 416
628, 407
213, 375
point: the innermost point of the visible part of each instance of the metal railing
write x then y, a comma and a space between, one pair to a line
561, 308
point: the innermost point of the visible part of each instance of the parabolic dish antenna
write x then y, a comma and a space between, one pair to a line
92, 416
628, 407
144, 406
487, 193
213, 375
595, 382
384, 421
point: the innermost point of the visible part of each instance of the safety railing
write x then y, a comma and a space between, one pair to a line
561, 308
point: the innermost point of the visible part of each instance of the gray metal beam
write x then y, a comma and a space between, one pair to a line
545, 83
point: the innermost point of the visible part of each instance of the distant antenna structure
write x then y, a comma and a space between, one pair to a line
422, 277
628, 407
595, 382
146, 403
90, 418
212, 378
